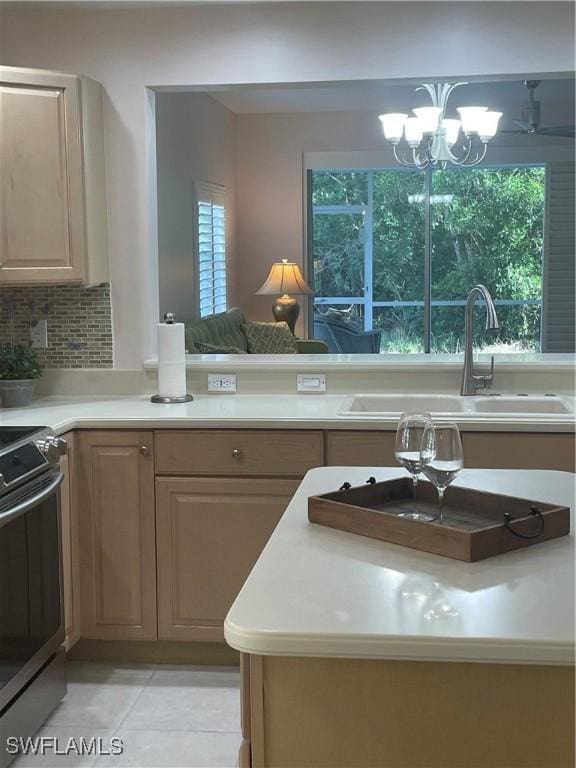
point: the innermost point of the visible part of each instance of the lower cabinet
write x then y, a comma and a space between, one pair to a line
117, 535
164, 556
490, 450
360, 449
210, 533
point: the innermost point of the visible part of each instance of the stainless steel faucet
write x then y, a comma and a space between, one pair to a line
470, 380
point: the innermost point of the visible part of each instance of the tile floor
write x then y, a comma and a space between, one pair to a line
167, 716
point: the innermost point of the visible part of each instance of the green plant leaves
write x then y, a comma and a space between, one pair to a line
19, 361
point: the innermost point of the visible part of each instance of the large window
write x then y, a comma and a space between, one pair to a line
398, 251
211, 249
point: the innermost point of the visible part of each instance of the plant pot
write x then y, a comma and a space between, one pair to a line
16, 393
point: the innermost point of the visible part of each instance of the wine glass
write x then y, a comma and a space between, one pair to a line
409, 435
441, 457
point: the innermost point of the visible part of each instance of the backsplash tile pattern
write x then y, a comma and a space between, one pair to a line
79, 322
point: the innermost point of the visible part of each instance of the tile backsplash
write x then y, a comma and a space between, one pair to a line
79, 322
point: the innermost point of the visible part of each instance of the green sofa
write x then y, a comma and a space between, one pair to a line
225, 330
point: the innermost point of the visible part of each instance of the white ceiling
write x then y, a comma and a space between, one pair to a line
556, 97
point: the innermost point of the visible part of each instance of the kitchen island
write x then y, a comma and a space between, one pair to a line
361, 653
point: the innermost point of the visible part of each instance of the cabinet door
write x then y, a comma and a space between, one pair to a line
210, 533
70, 544
117, 535
42, 234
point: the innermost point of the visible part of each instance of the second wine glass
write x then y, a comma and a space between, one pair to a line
409, 435
441, 457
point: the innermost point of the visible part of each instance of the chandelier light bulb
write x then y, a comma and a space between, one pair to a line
393, 125
471, 117
413, 131
451, 130
428, 117
488, 125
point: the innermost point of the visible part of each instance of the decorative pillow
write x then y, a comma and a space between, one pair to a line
269, 338
213, 349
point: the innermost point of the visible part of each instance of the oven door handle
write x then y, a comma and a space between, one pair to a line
32, 501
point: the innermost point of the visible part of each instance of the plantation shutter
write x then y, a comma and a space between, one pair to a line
558, 305
211, 249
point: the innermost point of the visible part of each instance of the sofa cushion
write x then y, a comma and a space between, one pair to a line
221, 330
214, 349
269, 338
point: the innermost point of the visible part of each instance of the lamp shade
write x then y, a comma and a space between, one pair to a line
393, 125
285, 277
488, 125
470, 117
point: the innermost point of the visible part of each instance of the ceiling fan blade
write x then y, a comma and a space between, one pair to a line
566, 131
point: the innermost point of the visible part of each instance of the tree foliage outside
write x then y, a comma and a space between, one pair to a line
486, 227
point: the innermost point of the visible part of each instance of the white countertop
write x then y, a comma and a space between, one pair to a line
321, 592
312, 411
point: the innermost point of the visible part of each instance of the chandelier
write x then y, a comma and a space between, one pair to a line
437, 140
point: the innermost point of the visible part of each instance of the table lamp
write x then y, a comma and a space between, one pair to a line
285, 277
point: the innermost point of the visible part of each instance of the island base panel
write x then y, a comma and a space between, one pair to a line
331, 713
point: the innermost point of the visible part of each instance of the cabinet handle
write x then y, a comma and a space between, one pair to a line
144, 450
236, 453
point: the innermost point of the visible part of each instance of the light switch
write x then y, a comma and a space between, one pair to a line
311, 382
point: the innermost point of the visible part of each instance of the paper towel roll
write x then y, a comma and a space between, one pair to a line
172, 379
171, 347
171, 360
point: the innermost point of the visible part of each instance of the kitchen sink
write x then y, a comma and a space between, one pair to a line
375, 405
440, 405
519, 404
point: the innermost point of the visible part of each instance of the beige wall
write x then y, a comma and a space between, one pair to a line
270, 177
195, 142
131, 48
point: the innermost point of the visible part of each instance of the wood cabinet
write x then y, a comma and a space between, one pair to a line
117, 535
375, 713
360, 449
167, 560
70, 544
53, 225
519, 450
210, 532
490, 450
171, 522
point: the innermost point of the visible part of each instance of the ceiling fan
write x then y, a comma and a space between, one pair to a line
530, 121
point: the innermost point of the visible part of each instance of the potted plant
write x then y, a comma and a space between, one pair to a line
19, 369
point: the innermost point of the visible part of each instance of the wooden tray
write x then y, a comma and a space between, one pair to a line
476, 524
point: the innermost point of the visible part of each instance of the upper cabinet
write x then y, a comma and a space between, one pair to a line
53, 226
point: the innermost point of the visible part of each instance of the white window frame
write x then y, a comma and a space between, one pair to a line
213, 194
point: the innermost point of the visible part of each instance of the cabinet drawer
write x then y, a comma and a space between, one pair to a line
361, 449
237, 452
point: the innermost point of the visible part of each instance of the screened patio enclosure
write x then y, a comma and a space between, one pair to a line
398, 250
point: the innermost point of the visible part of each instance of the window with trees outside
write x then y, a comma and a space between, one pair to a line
397, 251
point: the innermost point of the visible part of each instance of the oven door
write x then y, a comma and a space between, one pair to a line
31, 612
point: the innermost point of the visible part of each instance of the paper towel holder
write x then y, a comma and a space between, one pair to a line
170, 318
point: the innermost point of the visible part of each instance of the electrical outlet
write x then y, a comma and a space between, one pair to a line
39, 334
221, 382
311, 382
